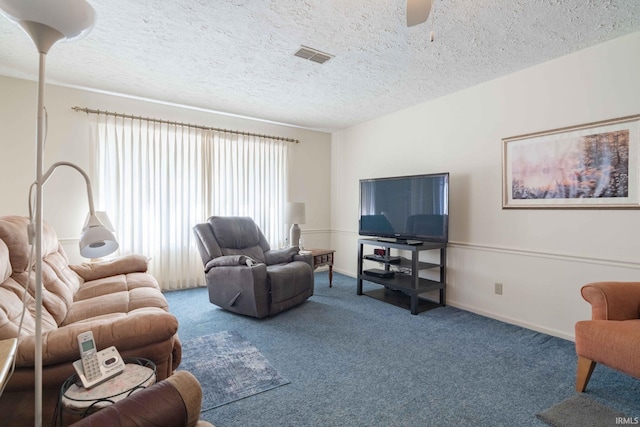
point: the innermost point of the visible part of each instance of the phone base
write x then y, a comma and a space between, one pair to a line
110, 364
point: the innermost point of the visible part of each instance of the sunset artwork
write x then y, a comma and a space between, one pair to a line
572, 167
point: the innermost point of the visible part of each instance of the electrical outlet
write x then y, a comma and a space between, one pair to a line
498, 288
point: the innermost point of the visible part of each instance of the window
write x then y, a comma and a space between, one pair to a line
158, 180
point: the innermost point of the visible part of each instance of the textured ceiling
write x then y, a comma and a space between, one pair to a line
237, 57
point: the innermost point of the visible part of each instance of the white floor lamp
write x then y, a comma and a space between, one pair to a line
46, 22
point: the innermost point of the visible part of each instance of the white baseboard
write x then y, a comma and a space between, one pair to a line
513, 321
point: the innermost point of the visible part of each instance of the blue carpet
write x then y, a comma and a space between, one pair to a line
356, 361
228, 367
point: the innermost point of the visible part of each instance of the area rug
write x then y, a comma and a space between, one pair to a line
580, 411
228, 367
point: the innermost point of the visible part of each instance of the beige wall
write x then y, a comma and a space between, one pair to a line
68, 140
542, 257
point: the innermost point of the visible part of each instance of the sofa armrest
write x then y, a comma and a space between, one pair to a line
175, 401
613, 300
121, 265
133, 330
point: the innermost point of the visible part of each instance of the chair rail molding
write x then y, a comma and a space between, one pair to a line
316, 231
620, 263
611, 262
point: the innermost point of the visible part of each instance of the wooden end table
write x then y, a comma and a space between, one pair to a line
323, 257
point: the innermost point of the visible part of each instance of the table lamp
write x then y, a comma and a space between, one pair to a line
294, 215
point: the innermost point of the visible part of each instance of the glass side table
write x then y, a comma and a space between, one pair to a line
138, 373
7, 354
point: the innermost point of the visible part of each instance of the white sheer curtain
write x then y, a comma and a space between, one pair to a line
158, 180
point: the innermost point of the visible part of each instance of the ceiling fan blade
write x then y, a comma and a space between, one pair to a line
418, 11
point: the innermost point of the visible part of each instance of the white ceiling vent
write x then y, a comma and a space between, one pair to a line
313, 55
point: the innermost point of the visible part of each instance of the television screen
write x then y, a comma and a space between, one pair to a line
406, 208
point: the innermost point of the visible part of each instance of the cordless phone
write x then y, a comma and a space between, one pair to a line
95, 367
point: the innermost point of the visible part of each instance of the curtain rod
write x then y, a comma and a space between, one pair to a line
151, 119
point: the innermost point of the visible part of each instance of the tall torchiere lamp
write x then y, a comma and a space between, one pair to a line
46, 22
294, 214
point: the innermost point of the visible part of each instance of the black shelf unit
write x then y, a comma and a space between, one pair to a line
403, 289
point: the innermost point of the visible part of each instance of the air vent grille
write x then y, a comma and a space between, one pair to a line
313, 55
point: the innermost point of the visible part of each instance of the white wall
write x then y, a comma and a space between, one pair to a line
68, 139
542, 257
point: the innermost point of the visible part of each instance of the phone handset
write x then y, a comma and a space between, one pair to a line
95, 367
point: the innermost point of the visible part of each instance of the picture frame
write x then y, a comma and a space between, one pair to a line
594, 165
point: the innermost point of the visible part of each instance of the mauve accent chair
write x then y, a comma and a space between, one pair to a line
612, 337
175, 401
244, 275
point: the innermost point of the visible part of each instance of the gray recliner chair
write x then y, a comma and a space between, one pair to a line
244, 274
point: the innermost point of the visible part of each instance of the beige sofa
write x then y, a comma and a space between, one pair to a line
117, 300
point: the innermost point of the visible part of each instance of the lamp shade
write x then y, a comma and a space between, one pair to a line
48, 21
97, 241
71, 18
103, 218
294, 213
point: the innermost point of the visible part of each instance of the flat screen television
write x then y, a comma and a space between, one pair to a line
409, 209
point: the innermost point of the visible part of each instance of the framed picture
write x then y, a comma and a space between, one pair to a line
593, 165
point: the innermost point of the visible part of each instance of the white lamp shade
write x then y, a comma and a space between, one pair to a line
103, 218
97, 236
47, 21
71, 18
294, 213
97, 242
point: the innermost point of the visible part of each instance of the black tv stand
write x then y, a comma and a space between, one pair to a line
404, 289
409, 242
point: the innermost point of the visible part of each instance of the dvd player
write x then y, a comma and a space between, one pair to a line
384, 258
378, 272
